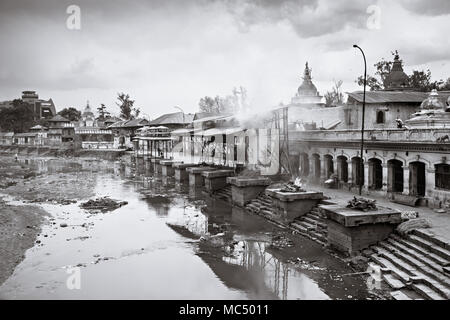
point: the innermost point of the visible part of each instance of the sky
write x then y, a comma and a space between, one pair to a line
167, 53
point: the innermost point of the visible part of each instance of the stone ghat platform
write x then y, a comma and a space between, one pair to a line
291, 205
181, 175
196, 178
167, 169
351, 230
245, 189
215, 180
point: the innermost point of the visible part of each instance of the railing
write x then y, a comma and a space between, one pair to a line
413, 135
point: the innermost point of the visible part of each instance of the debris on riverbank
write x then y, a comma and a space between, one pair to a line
279, 241
103, 204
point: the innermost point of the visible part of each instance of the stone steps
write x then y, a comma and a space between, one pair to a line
428, 245
418, 261
415, 275
420, 267
420, 256
427, 292
436, 258
312, 226
224, 193
429, 236
400, 274
400, 295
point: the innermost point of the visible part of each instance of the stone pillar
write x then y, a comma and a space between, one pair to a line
370, 174
406, 179
312, 169
323, 169
350, 173
430, 174
385, 176
366, 175
335, 166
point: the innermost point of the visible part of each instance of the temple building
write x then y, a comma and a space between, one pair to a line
407, 162
307, 107
384, 107
87, 117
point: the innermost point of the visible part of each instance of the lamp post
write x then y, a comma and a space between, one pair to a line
361, 172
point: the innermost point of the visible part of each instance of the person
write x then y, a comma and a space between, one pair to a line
399, 123
16, 157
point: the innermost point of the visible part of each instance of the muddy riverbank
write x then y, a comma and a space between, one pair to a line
23, 185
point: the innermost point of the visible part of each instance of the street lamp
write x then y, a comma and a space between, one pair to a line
361, 176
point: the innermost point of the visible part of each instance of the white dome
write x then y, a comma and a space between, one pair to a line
433, 102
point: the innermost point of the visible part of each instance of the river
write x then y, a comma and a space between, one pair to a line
168, 242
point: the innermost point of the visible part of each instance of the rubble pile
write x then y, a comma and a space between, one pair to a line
103, 204
362, 204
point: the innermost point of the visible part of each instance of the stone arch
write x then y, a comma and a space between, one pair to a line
442, 176
375, 179
395, 175
357, 170
342, 168
304, 164
428, 163
417, 178
328, 165
316, 166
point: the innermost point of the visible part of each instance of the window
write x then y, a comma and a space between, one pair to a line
442, 176
380, 116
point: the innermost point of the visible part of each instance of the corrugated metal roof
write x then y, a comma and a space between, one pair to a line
6, 134
173, 118
389, 96
25, 134
129, 123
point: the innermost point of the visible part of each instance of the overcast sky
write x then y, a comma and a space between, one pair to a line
167, 53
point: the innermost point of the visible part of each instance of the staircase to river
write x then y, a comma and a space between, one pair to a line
312, 225
223, 194
415, 266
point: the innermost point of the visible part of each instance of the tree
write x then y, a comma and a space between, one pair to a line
19, 118
136, 112
102, 113
126, 105
228, 104
70, 113
334, 97
207, 104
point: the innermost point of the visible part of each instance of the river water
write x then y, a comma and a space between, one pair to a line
169, 242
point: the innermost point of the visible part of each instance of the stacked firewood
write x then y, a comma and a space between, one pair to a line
291, 187
362, 204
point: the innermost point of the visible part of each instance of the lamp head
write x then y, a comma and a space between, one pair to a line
355, 46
